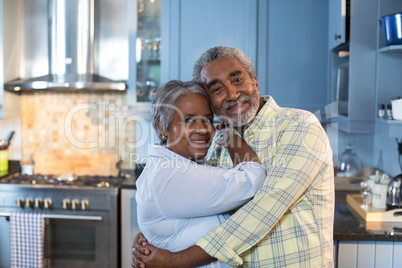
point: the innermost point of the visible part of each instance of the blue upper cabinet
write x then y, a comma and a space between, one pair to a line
356, 91
337, 23
1, 62
297, 53
285, 39
191, 27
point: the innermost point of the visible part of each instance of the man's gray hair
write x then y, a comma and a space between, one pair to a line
216, 53
166, 98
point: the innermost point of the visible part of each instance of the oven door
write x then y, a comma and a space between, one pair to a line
78, 242
72, 241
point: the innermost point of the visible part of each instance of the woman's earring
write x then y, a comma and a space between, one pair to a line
164, 138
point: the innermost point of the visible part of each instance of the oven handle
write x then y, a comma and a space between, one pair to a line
62, 217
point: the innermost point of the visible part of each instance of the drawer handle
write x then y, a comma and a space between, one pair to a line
63, 217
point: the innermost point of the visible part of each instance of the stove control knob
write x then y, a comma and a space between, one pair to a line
29, 202
66, 203
84, 204
47, 203
75, 203
38, 203
20, 202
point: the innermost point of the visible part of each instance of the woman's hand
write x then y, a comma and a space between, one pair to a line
238, 149
228, 136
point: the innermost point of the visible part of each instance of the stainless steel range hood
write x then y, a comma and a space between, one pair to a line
71, 25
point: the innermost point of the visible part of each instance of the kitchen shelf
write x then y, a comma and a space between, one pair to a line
391, 127
392, 48
348, 125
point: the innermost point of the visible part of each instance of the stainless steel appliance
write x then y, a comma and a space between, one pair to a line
78, 41
81, 215
394, 193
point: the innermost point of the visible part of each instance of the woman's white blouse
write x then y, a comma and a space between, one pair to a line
178, 200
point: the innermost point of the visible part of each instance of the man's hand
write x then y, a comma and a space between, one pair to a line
146, 255
138, 248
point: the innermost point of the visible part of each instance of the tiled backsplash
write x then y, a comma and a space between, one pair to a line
76, 123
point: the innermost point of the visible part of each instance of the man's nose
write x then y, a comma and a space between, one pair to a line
232, 93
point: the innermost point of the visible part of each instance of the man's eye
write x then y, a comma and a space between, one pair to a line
237, 80
216, 90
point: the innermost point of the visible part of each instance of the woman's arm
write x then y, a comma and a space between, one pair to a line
238, 149
193, 190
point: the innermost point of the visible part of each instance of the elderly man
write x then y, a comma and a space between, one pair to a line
289, 222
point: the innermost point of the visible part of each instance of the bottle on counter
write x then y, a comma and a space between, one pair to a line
389, 111
381, 111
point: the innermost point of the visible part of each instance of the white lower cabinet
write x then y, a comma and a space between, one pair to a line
368, 254
129, 225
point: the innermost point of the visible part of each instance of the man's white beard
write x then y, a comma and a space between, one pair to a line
242, 118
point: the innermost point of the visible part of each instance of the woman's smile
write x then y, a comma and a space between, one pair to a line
191, 130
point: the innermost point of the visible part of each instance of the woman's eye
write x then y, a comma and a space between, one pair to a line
189, 120
208, 121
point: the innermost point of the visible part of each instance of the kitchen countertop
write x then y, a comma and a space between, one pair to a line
350, 226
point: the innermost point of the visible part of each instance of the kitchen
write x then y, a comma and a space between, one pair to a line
301, 54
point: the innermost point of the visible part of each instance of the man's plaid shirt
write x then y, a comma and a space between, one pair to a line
289, 222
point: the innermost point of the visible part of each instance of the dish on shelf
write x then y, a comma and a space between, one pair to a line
392, 29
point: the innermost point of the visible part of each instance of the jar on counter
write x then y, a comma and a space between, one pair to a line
349, 164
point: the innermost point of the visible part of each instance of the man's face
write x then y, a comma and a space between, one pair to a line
234, 94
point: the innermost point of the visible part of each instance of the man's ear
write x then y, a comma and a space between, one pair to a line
256, 84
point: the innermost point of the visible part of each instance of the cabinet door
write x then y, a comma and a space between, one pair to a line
337, 23
129, 224
144, 54
191, 27
1, 62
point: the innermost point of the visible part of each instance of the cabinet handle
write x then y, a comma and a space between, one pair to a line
337, 36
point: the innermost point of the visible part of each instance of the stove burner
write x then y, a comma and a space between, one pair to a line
94, 181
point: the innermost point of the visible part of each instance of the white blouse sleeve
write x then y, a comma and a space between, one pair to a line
199, 190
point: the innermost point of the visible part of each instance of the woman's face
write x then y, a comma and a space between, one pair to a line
191, 131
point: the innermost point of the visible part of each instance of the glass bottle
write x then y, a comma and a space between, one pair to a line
349, 163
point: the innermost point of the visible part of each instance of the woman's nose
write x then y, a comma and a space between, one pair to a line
201, 127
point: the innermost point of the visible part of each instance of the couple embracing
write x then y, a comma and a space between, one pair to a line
260, 193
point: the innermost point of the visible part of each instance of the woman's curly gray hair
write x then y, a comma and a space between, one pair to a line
216, 53
166, 98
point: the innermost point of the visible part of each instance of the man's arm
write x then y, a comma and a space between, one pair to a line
299, 153
146, 255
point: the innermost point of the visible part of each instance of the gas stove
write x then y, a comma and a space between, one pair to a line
65, 180
79, 210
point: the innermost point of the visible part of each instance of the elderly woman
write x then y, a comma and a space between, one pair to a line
179, 197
